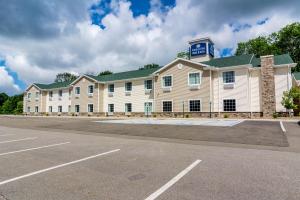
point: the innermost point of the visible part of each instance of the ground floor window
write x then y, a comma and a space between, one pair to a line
90, 108
77, 108
111, 108
167, 106
229, 105
60, 109
148, 108
36, 109
28, 109
50, 108
128, 107
69, 108
195, 105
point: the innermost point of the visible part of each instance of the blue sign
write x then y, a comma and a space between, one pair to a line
198, 49
211, 49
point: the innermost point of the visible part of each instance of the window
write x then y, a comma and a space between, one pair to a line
90, 89
228, 77
77, 108
28, 109
229, 105
128, 107
111, 88
69, 108
51, 94
77, 90
37, 94
90, 108
167, 81
50, 108
60, 109
195, 106
167, 106
70, 93
194, 78
111, 108
29, 95
148, 84
60, 93
128, 86
36, 109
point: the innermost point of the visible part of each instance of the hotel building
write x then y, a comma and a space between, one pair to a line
202, 86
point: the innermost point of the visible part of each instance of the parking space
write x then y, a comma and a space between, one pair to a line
73, 165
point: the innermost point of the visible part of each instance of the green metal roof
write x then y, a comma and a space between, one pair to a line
246, 59
53, 85
125, 75
297, 75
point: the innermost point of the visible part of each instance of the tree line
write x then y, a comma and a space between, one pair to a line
11, 104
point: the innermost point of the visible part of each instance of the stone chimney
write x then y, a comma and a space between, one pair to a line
268, 86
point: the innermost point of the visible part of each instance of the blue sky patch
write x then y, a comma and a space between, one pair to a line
262, 21
226, 52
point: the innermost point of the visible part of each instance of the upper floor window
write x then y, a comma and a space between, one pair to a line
77, 90
90, 89
148, 84
29, 95
128, 86
194, 78
51, 94
167, 81
229, 77
60, 93
111, 88
37, 94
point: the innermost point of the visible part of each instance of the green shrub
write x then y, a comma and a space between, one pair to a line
226, 116
275, 115
187, 116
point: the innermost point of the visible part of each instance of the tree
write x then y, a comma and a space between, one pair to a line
106, 72
19, 108
150, 66
287, 40
289, 97
7, 107
3, 98
183, 54
66, 76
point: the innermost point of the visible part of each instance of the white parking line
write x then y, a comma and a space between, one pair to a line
8, 141
35, 148
172, 181
6, 135
282, 127
57, 166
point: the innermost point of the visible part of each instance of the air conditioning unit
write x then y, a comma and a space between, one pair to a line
194, 87
148, 91
167, 89
110, 94
228, 86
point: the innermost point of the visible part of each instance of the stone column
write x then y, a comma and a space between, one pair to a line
268, 86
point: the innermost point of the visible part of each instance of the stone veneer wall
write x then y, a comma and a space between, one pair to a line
268, 86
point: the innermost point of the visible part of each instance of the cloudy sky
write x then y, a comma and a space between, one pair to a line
40, 38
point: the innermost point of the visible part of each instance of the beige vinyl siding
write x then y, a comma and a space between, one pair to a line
255, 91
64, 101
43, 101
137, 97
84, 99
283, 83
180, 89
32, 102
215, 88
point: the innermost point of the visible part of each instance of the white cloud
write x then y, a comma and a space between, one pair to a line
7, 84
128, 42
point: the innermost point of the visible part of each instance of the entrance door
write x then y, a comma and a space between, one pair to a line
148, 108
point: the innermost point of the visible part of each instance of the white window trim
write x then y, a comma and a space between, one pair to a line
58, 109
75, 108
88, 90
195, 100
229, 99
152, 105
233, 76
76, 92
62, 92
162, 81
200, 78
108, 87
146, 84
50, 110
108, 107
125, 107
126, 88
88, 107
162, 105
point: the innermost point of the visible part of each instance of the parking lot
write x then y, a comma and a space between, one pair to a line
60, 158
